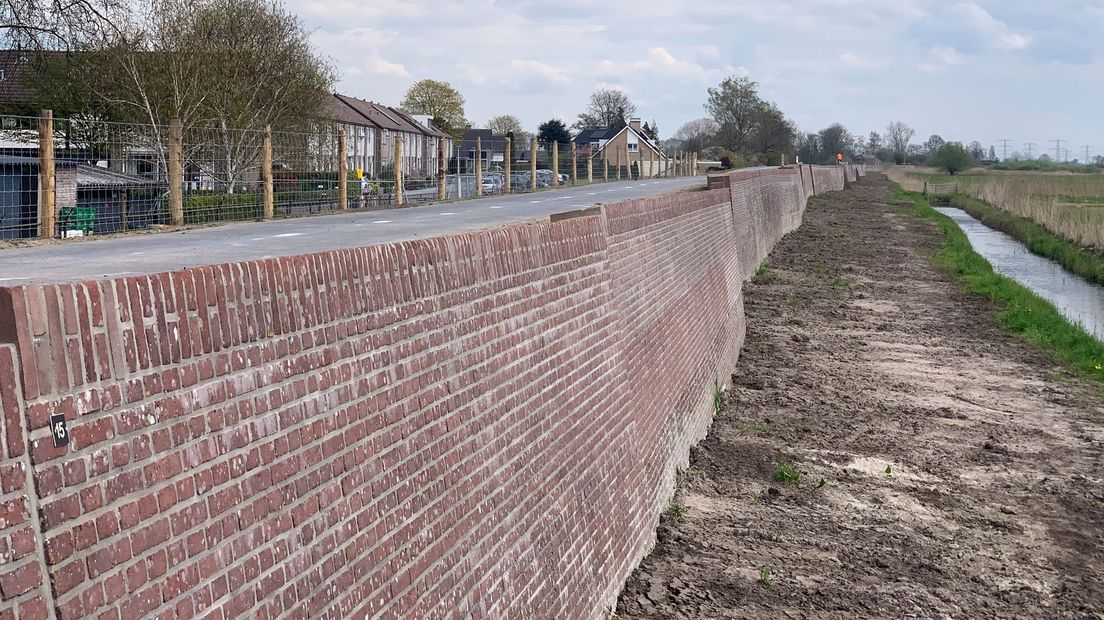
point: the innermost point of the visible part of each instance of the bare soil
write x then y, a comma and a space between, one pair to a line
948, 469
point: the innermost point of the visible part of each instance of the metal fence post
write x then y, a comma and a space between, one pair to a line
342, 170
478, 167
555, 164
176, 172
46, 196
507, 156
266, 172
442, 169
533, 164
398, 176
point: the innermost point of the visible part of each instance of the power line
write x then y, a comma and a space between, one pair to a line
1030, 146
1058, 148
1087, 147
1005, 141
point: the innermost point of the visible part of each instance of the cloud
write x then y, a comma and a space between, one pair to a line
546, 71
858, 62
997, 33
939, 59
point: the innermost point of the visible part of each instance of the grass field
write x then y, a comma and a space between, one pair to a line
1070, 205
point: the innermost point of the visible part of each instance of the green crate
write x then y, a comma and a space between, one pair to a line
75, 219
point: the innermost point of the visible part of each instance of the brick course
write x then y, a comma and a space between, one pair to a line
487, 423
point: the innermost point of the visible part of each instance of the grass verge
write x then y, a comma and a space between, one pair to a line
1021, 311
1080, 260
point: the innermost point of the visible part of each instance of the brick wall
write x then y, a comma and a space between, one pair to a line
486, 424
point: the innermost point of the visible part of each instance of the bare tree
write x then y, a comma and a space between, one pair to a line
697, 134
608, 107
225, 68
58, 24
898, 134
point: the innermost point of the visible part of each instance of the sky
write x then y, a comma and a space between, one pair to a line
1025, 71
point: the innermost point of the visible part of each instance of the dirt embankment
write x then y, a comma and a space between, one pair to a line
947, 468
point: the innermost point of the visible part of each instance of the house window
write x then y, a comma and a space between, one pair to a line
634, 147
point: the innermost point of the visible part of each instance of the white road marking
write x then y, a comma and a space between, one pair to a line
382, 222
495, 207
447, 213
286, 235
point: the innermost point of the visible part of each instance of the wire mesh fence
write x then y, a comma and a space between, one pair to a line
65, 178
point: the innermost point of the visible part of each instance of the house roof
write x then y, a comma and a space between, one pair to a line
337, 109
13, 66
102, 177
487, 140
427, 128
587, 136
371, 112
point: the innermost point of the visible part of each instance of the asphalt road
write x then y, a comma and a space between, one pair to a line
154, 253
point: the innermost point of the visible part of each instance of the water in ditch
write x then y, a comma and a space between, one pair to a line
1078, 299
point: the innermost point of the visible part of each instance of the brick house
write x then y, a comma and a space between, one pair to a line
372, 129
627, 145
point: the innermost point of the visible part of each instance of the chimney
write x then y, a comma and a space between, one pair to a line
634, 123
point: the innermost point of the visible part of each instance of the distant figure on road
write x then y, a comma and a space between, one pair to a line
839, 158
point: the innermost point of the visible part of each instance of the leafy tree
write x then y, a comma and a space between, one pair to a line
735, 105
607, 108
835, 139
504, 124
697, 134
952, 157
443, 103
873, 143
553, 130
898, 135
749, 126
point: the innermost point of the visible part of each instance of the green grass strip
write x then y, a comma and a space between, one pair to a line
1019, 309
1075, 258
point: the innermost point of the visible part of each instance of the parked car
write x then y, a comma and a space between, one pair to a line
493, 183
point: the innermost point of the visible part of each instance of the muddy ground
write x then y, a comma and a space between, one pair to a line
948, 469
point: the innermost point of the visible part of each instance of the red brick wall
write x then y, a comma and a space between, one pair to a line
485, 424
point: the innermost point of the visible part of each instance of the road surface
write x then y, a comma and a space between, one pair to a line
154, 253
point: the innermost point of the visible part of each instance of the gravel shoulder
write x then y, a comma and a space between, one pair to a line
948, 469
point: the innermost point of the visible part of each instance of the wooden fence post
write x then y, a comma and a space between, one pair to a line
442, 170
176, 172
574, 164
266, 173
342, 170
398, 169
478, 167
555, 164
590, 170
508, 155
533, 164
47, 197
605, 166
618, 163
